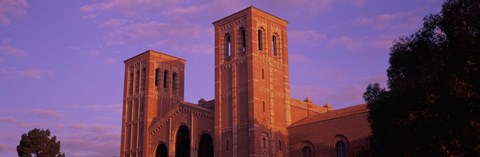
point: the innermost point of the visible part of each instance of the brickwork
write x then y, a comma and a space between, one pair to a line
252, 113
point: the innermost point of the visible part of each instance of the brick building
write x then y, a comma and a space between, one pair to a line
252, 113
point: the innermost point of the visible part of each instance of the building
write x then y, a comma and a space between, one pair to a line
252, 113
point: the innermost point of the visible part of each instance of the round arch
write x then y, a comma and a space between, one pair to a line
340, 145
161, 150
305, 149
205, 145
182, 142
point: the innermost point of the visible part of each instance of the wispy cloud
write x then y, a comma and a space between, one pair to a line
92, 140
297, 58
4, 148
32, 73
7, 120
104, 107
44, 113
12, 8
306, 35
6, 48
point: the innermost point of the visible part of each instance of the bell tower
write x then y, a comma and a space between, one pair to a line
252, 89
154, 83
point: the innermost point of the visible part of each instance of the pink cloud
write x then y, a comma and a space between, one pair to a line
4, 148
8, 120
43, 113
92, 140
114, 22
185, 10
6, 48
12, 8
34, 73
110, 60
297, 58
306, 35
130, 7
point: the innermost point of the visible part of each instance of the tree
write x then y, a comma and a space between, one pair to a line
39, 144
432, 105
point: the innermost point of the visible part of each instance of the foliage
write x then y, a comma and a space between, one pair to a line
432, 106
38, 143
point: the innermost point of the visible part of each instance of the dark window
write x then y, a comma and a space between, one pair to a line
174, 81
263, 74
263, 106
144, 77
227, 145
228, 45
307, 151
259, 39
137, 81
274, 45
165, 77
244, 39
279, 145
341, 149
157, 72
131, 84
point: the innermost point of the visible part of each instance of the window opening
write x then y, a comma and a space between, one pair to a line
156, 76
274, 45
244, 39
228, 44
259, 39
263, 103
340, 149
174, 81
165, 77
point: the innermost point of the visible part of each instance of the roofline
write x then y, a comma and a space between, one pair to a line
150, 50
250, 7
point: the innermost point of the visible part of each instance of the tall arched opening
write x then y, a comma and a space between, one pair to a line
162, 150
205, 146
182, 144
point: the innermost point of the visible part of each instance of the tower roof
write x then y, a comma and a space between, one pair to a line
248, 9
155, 53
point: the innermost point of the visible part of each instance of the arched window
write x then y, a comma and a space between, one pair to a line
157, 73
131, 84
260, 37
279, 144
165, 77
174, 81
340, 146
263, 74
227, 145
263, 106
228, 46
307, 151
137, 81
244, 39
144, 77
274, 45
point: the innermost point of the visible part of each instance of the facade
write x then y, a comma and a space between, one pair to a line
252, 113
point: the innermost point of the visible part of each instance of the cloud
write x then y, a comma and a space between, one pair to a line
297, 58
130, 7
106, 107
306, 36
114, 22
110, 60
6, 48
4, 148
12, 8
7, 120
390, 21
92, 53
43, 113
92, 141
33, 73
179, 11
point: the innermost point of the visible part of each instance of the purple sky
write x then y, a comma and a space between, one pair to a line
61, 62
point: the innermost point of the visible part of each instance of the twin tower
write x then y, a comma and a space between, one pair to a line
250, 113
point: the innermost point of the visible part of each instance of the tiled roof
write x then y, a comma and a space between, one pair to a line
348, 111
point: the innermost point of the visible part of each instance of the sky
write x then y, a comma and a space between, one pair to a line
61, 62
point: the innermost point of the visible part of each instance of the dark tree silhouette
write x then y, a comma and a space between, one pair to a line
38, 143
432, 105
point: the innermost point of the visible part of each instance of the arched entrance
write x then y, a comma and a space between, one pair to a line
182, 144
162, 150
205, 146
